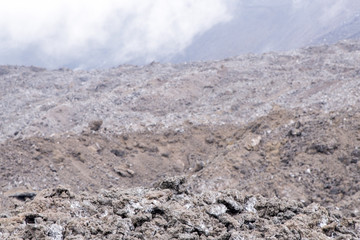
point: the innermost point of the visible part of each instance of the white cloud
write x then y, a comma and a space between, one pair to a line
94, 33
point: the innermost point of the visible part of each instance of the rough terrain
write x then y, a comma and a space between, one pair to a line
254, 147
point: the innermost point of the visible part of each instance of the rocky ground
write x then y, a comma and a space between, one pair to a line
253, 147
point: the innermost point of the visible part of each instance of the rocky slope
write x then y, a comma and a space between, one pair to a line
171, 212
267, 147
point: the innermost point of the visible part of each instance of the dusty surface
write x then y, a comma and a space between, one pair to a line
268, 147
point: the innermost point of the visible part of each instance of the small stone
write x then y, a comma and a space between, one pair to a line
354, 160
232, 205
199, 166
118, 153
95, 125
124, 172
216, 210
356, 153
295, 132
209, 140
172, 183
253, 143
131, 172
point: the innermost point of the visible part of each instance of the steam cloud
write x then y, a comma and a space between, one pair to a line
102, 33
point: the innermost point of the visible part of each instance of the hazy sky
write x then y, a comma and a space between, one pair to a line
94, 33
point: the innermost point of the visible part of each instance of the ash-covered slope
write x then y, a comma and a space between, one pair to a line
238, 90
282, 125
